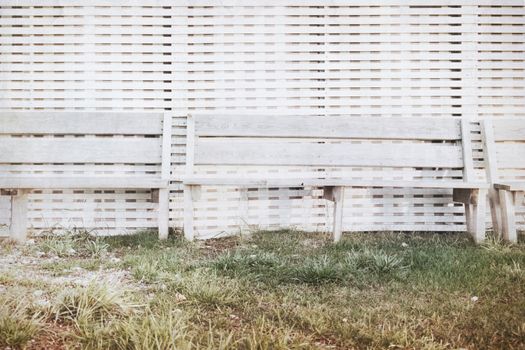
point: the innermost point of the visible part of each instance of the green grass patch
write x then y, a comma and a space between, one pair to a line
281, 290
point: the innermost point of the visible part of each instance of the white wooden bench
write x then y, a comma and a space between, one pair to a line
505, 152
90, 139
237, 141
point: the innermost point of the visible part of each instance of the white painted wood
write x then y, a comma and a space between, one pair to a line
18, 229
508, 216
511, 155
188, 213
257, 181
163, 213
338, 195
479, 209
252, 152
508, 129
511, 186
320, 127
164, 199
79, 150
81, 182
166, 147
503, 140
468, 166
66, 148
80, 123
400, 62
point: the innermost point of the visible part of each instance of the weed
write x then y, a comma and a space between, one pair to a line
17, 325
97, 302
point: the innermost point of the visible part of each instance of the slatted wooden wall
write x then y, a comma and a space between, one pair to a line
304, 57
63, 55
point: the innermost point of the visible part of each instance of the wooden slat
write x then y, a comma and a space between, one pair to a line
302, 182
509, 129
239, 152
81, 123
333, 127
510, 155
82, 182
79, 150
511, 186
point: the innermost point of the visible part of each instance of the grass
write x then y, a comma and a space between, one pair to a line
272, 290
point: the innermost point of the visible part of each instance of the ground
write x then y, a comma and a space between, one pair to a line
268, 290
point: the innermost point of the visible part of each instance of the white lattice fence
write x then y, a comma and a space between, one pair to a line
373, 58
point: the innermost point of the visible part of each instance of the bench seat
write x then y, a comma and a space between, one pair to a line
84, 150
232, 142
300, 182
79, 182
504, 143
510, 186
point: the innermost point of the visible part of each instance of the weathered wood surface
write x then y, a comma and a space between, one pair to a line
504, 141
326, 128
260, 152
299, 58
222, 144
80, 123
79, 150
22, 144
257, 181
80, 182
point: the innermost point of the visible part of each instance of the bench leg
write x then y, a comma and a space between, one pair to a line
495, 211
338, 193
18, 229
469, 215
475, 206
188, 212
478, 219
508, 219
164, 212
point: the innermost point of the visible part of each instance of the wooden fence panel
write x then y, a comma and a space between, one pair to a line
411, 58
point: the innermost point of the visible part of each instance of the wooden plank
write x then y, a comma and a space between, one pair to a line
466, 142
338, 194
189, 232
166, 147
508, 216
510, 155
81, 182
509, 129
510, 185
80, 150
18, 228
322, 127
479, 217
258, 181
489, 144
80, 123
190, 144
163, 215
240, 152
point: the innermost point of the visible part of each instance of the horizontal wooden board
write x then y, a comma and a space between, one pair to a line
79, 150
303, 182
511, 155
511, 186
80, 182
509, 129
238, 152
80, 123
322, 127
395, 58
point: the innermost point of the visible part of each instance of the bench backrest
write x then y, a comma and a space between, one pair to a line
328, 141
504, 140
87, 138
